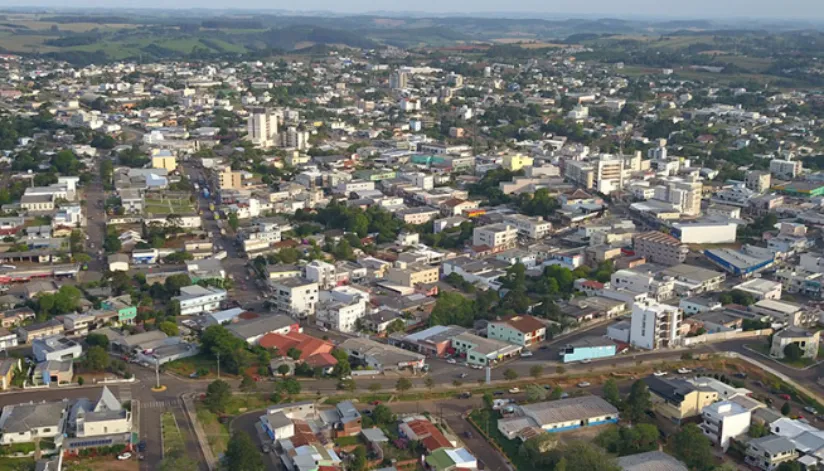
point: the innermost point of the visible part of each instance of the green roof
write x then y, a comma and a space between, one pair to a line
439, 459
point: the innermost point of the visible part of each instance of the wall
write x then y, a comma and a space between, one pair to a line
723, 336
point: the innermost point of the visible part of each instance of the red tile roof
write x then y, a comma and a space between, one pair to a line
524, 323
307, 344
321, 360
429, 435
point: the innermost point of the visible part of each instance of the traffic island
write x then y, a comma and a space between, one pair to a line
160, 388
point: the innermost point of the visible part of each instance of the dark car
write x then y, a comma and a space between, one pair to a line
468, 434
141, 446
498, 393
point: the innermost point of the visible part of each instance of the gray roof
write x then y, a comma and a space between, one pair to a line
650, 461
566, 410
773, 444
260, 326
386, 355
375, 435
24, 417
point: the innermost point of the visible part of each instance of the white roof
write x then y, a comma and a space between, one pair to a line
779, 306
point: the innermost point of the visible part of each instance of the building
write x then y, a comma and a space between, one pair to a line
340, 315
560, 416
29, 333
56, 347
495, 236
655, 326
262, 127
296, 296
757, 181
435, 341
723, 421
228, 179
118, 262
398, 80
8, 366
417, 216
23, 423
785, 169
104, 417
516, 162
658, 247
807, 341
678, 399
451, 459
691, 280
413, 274
705, 232
307, 345
760, 289
164, 159
738, 263
480, 351
196, 299
767, 453
420, 429
253, 330
683, 195
650, 461
588, 348
531, 227
53, 371
379, 356
523, 330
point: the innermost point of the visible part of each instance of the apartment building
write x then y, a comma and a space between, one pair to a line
785, 169
657, 288
341, 316
580, 173
497, 236
413, 274
654, 325
684, 194
416, 216
262, 127
229, 179
609, 174
723, 421
658, 247
162, 158
197, 299
758, 181
532, 227
296, 296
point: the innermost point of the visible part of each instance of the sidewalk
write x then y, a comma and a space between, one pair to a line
200, 434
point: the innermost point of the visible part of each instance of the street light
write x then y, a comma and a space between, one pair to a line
218, 365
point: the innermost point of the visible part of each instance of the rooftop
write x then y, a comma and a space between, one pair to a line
566, 410
650, 461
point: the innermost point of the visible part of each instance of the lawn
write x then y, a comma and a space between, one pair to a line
217, 433
187, 366
169, 206
172, 438
16, 464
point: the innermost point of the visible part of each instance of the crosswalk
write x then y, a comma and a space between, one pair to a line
160, 404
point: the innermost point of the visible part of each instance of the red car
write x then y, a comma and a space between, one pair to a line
375, 403
786, 397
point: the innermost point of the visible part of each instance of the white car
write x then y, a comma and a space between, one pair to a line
124, 456
586, 361
451, 361
683, 371
584, 384
659, 373
526, 353
514, 390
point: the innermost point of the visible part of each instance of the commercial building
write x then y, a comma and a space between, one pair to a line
380, 356
560, 415
413, 274
435, 341
164, 159
295, 296
516, 162
807, 341
253, 330
760, 289
495, 236
660, 248
482, 351
523, 330
531, 227
655, 326
262, 127
704, 232
196, 299
783, 312
677, 399
723, 421
229, 179
588, 348
691, 280
738, 263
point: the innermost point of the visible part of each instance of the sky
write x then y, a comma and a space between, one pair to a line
692, 9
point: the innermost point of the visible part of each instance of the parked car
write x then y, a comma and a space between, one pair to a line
786, 397
683, 371
264, 448
584, 384
586, 361
526, 353
811, 410
463, 375
124, 456
451, 361
659, 373
514, 390
468, 434
465, 395
498, 393
141, 446
375, 403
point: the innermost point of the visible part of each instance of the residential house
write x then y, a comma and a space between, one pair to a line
767, 453
23, 423
8, 367
677, 399
53, 371
28, 333
196, 299
253, 330
56, 347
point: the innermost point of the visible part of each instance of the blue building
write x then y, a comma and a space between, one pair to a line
588, 348
738, 263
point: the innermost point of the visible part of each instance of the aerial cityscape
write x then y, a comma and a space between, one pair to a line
265, 240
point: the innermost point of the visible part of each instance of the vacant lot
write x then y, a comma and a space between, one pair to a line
169, 206
217, 433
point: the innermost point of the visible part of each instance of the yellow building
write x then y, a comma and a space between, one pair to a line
677, 399
413, 274
295, 158
516, 162
230, 180
164, 161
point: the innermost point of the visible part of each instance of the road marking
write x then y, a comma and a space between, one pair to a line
160, 404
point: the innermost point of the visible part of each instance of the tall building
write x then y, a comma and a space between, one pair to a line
262, 127
660, 248
609, 174
654, 325
787, 169
685, 195
398, 80
228, 179
294, 138
758, 181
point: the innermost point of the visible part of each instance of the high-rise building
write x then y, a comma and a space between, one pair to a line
654, 325
262, 127
684, 194
786, 169
758, 181
660, 248
229, 179
398, 80
294, 138
609, 174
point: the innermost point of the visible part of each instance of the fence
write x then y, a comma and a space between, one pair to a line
724, 336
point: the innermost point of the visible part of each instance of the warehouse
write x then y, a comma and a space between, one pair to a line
560, 415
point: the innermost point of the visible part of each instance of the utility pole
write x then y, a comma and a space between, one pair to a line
157, 372
218, 365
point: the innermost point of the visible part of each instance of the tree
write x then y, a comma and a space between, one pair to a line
582, 456
560, 370
169, 328
793, 352
218, 394
758, 430
97, 340
786, 408
535, 393
247, 384
343, 368
233, 221
510, 374
789, 466
403, 385
294, 353
638, 401
536, 371
290, 386
629, 440
97, 359
80, 381
693, 448
398, 325
383, 415
359, 461
283, 369
429, 382
556, 393
611, 393
241, 453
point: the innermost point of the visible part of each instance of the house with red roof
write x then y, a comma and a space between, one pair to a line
426, 432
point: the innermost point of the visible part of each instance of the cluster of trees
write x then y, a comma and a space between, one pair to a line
737, 297
624, 441
756, 229
374, 220
234, 354
451, 238
133, 157
65, 300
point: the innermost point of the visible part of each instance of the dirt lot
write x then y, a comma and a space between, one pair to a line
107, 463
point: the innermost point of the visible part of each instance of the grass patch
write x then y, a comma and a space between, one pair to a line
347, 441
199, 362
168, 206
216, 433
172, 437
241, 403
801, 363
16, 464
486, 422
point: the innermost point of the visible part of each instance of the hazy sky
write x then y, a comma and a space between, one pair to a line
768, 9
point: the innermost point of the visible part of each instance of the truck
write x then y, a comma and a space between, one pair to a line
206, 193
221, 255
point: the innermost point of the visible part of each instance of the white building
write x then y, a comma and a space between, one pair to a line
723, 421
654, 325
296, 296
262, 127
322, 273
339, 315
105, 417
497, 236
785, 169
760, 289
196, 299
23, 423
532, 227
56, 347
636, 282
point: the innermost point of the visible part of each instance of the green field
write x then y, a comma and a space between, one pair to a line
172, 438
168, 206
